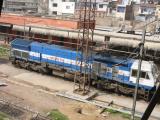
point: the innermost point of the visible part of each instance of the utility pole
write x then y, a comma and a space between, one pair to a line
139, 72
86, 18
1, 6
24, 22
132, 18
24, 27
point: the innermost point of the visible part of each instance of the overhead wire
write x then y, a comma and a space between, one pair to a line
129, 57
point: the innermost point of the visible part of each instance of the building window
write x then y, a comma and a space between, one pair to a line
55, 5
54, 12
120, 9
67, 7
101, 6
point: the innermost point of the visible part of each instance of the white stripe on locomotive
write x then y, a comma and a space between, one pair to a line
67, 61
35, 54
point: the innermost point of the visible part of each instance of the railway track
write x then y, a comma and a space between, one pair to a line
104, 104
17, 111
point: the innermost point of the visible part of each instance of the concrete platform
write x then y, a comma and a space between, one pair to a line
2, 83
3, 75
74, 96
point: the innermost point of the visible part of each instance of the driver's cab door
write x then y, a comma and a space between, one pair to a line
146, 78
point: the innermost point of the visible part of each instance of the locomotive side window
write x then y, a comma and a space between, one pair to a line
11, 52
96, 67
17, 53
25, 54
103, 68
134, 73
109, 69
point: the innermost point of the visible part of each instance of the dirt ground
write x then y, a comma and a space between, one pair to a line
42, 101
37, 92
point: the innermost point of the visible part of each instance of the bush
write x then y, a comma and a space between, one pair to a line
4, 51
3, 116
56, 115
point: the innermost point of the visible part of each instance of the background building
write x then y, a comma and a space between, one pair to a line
21, 5
102, 6
61, 7
43, 7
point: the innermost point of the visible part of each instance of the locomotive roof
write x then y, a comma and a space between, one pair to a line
145, 66
22, 42
52, 46
114, 59
26, 43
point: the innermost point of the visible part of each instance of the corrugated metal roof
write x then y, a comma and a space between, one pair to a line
19, 41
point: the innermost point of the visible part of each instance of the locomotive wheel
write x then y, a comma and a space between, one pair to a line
17, 64
49, 71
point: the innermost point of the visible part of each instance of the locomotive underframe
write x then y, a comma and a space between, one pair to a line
119, 88
109, 85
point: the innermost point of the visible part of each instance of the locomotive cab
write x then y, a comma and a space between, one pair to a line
148, 75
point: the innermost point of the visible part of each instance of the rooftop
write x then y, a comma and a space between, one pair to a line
15, 19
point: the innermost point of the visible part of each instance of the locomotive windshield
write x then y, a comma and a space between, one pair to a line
143, 74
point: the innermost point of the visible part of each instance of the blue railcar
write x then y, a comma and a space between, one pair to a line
107, 71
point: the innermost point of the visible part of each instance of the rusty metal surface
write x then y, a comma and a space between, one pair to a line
85, 37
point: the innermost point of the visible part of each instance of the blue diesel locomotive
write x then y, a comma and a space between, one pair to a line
106, 74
